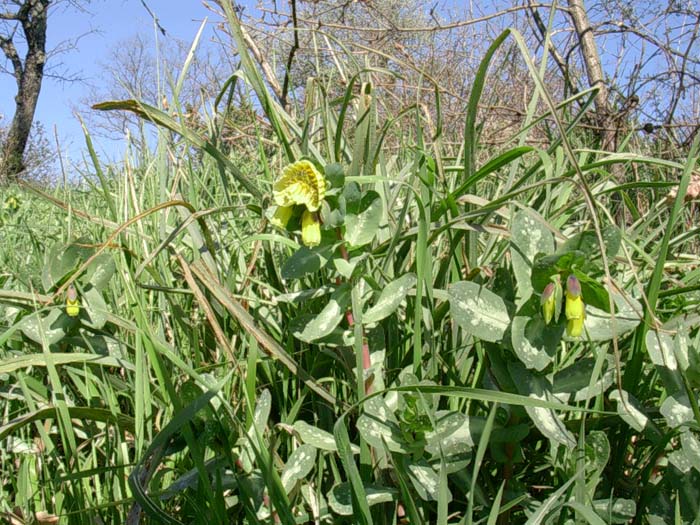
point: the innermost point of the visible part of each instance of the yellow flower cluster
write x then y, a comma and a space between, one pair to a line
574, 308
301, 184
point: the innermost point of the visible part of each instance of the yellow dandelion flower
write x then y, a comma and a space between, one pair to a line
300, 183
310, 229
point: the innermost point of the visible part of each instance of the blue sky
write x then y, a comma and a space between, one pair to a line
104, 23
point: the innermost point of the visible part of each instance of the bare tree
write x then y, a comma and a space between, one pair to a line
31, 16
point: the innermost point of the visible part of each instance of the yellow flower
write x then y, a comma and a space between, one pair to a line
281, 216
300, 183
575, 309
310, 229
72, 302
11, 204
548, 303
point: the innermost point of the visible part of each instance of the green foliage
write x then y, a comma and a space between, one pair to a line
220, 370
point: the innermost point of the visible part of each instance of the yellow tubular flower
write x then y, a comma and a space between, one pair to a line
281, 216
310, 229
575, 309
547, 302
300, 183
72, 302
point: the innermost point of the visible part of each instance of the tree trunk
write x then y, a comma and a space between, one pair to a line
594, 71
28, 75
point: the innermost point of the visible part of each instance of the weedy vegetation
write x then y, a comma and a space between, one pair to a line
332, 330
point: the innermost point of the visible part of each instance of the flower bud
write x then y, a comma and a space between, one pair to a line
575, 309
310, 229
547, 302
72, 302
281, 216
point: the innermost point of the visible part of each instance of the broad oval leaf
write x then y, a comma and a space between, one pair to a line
545, 419
318, 438
340, 497
48, 329
529, 236
361, 227
299, 464
305, 261
322, 324
478, 310
390, 298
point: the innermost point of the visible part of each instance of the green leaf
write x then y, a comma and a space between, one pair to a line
478, 311
362, 221
62, 259
575, 380
676, 409
335, 175
305, 261
390, 299
100, 271
424, 479
309, 329
593, 293
616, 510
529, 236
451, 440
533, 341
587, 242
691, 448
600, 326
94, 309
630, 410
298, 465
318, 438
379, 427
50, 328
545, 419
340, 497
545, 266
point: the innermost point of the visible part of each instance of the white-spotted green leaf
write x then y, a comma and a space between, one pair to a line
424, 479
379, 427
529, 236
478, 310
450, 441
318, 438
361, 227
545, 419
100, 271
691, 448
660, 348
263, 407
49, 329
600, 326
530, 342
676, 409
390, 298
678, 459
299, 464
574, 380
629, 410
617, 510
340, 497
94, 308
322, 324
305, 261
